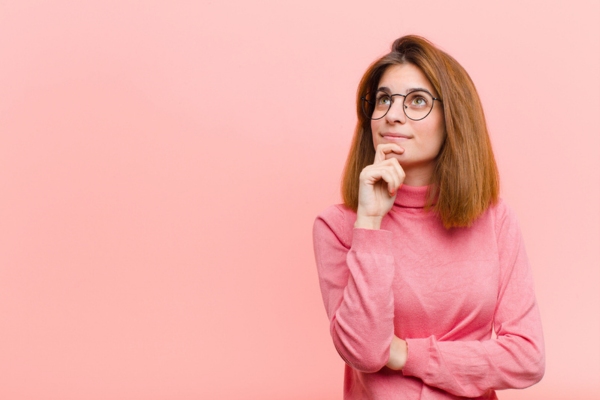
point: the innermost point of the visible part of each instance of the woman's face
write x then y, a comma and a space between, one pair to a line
421, 140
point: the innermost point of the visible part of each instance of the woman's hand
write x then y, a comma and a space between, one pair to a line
398, 354
378, 184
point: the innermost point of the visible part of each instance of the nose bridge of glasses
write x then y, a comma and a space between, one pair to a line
401, 102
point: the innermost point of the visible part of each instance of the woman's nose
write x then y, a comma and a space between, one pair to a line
396, 112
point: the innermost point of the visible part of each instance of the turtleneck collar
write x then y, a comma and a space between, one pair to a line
411, 196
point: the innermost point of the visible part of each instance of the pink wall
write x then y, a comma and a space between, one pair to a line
161, 167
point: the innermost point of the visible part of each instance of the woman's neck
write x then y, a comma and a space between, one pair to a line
418, 175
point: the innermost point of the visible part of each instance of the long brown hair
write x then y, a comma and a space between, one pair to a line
465, 181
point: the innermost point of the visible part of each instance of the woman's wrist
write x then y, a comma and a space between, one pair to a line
398, 354
368, 222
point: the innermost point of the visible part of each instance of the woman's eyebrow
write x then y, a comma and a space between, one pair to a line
416, 89
385, 89
410, 90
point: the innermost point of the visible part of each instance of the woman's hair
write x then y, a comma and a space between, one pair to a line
465, 180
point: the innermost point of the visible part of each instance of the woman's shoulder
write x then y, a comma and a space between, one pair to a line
336, 212
502, 216
338, 219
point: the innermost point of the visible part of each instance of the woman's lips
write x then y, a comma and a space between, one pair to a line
395, 137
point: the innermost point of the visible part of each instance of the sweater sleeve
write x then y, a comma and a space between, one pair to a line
356, 270
515, 358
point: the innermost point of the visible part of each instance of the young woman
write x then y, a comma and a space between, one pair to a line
423, 271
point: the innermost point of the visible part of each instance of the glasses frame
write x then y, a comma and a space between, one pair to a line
404, 106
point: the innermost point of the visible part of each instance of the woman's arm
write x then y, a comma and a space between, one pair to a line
515, 359
356, 266
356, 270
398, 354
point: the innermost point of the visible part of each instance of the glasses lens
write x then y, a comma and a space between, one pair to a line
383, 102
418, 104
376, 105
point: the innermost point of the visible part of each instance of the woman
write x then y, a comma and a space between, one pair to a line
422, 269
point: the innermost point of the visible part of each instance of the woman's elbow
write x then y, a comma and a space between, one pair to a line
536, 373
364, 360
363, 363
534, 369
365, 352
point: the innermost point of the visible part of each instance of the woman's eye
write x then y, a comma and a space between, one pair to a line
418, 101
383, 100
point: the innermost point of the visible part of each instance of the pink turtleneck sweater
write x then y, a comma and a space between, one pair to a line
462, 299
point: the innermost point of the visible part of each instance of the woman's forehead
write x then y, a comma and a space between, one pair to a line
402, 78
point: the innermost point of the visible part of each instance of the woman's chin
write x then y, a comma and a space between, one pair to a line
400, 157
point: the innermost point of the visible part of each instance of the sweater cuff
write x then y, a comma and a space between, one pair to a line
375, 241
417, 361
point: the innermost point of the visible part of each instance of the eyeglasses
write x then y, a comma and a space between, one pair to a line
416, 105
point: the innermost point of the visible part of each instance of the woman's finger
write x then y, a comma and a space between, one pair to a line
384, 149
399, 171
389, 172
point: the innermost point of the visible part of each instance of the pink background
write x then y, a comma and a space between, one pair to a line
161, 164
